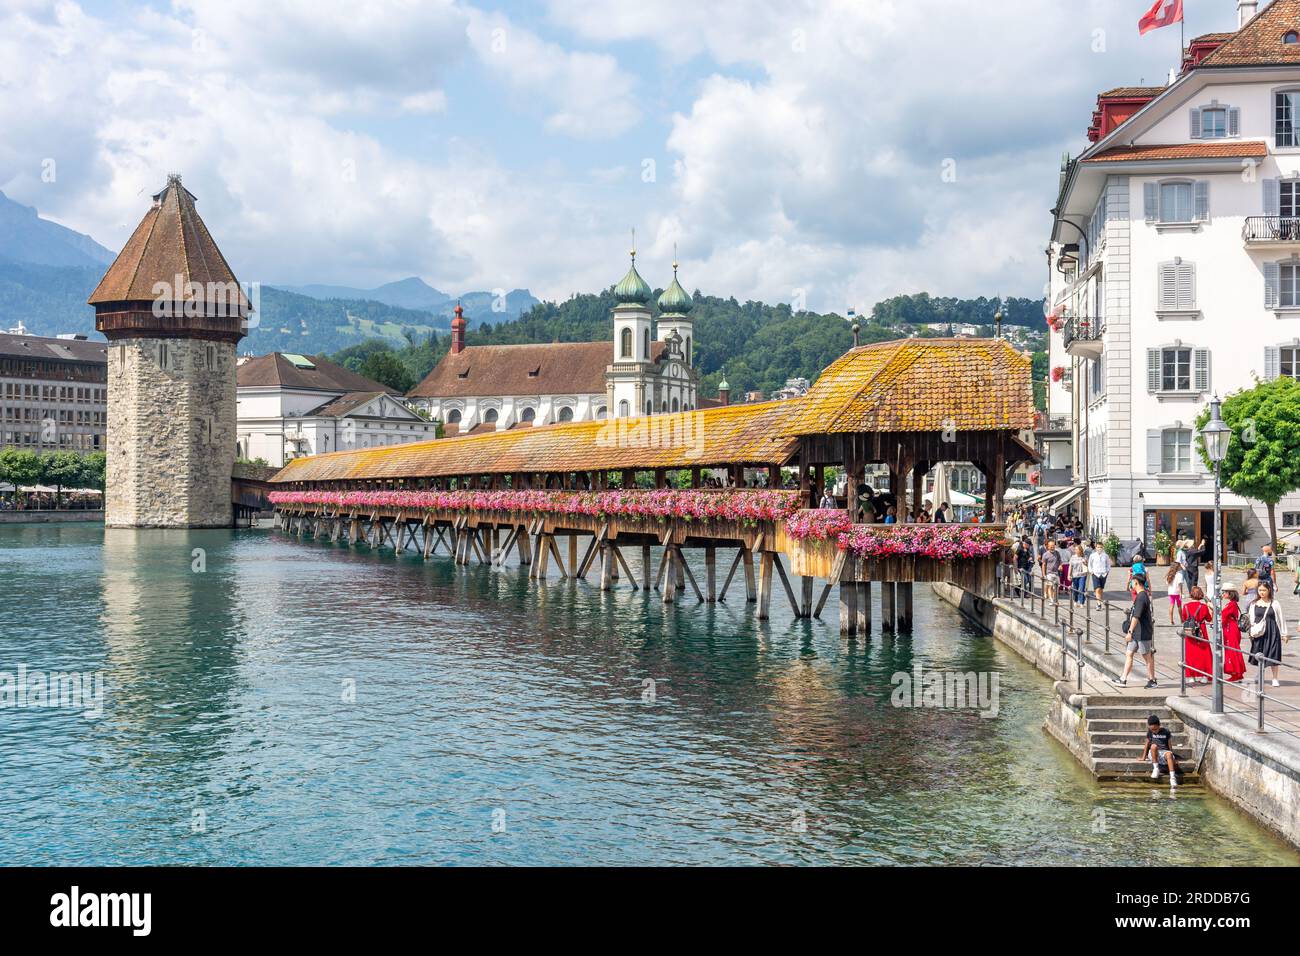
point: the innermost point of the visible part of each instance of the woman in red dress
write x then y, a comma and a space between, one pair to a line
1198, 660
1234, 664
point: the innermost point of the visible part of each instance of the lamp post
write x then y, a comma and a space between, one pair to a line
1217, 435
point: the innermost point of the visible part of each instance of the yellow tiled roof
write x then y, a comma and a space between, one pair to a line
907, 385
921, 385
729, 434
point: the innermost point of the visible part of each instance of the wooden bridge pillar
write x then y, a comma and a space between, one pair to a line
888, 622
848, 608
905, 608
765, 573
751, 593
805, 596
710, 573
864, 607
645, 567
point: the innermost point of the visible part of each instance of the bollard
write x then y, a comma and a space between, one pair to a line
1064, 670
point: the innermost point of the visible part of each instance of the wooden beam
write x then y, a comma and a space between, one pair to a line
765, 586
618, 555
751, 593
740, 553
686, 569
555, 550
821, 603
711, 573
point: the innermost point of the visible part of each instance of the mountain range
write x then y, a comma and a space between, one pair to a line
47, 271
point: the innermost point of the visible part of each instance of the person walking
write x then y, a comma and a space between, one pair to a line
1025, 562
1141, 633
1264, 566
1099, 568
1079, 575
1267, 631
1192, 564
827, 501
1234, 664
1198, 659
1050, 565
1175, 578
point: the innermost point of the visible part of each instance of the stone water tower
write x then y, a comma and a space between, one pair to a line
172, 312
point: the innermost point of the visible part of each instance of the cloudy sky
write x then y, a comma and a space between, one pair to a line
842, 150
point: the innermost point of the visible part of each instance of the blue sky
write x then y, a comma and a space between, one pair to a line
798, 147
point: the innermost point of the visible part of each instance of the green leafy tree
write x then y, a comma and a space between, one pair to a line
94, 467
388, 369
1263, 459
62, 469
19, 467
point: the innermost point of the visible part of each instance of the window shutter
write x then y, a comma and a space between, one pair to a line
1272, 197
1186, 286
1166, 286
1272, 363
1150, 202
1153, 370
1234, 121
1196, 124
1153, 451
1270, 285
1201, 370
1202, 200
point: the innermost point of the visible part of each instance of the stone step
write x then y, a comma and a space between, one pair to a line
1136, 738
1141, 713
1128, 725
1155, 701
1121, 768
1127, 751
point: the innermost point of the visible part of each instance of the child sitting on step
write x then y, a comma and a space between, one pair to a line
1160, 749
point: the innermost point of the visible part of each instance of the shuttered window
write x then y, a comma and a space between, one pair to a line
1175, 450
1282, 362
1215, 121
1177, 202
1178, 369
1176, 286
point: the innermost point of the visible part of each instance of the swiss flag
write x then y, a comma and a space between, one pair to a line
1162, 14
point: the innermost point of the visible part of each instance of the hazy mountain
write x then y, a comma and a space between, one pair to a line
27, 238
415, 293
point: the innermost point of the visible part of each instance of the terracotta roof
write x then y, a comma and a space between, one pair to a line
908, 385
1133, 92
1259, 42
748, 434
170, 241
53, 350
1239, 150
557, 368
1211, 38
920, 385
274, 370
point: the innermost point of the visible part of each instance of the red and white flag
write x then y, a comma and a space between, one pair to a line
1163, 13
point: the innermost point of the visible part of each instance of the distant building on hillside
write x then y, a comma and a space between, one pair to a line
643, 371
53, 393
793, 388
293, 405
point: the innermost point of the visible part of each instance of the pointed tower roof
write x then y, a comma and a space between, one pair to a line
172, 241
674, 300
632, 289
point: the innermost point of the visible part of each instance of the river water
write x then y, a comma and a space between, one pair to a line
271, 701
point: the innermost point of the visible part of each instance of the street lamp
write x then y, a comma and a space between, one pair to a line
1217, 436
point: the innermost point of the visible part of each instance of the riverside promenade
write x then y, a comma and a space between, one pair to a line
1082, 648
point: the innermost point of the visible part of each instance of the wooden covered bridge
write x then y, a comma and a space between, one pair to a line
652, 483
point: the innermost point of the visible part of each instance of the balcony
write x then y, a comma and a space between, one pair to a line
1083, 337
1274, 231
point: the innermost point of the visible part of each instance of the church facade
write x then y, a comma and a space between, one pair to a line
647, 369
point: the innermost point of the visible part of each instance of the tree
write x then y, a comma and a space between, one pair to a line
1263, 459
19, 467
61, 468
387, 369
93, 470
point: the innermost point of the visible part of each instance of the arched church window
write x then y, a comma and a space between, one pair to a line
600, 412
624, 409
688, 350
675, 407
647, 345
528, 414
453, 416
625, 346
566, 414
490, 415
649, 407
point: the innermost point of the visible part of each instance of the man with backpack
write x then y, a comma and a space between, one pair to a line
1141, 631
1264, 566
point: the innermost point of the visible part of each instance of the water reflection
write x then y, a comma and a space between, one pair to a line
319, 704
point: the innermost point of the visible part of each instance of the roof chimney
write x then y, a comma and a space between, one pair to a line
458, 331
1245, 10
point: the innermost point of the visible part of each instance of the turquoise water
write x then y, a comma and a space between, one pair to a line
495, 721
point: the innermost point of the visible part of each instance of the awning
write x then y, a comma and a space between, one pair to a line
1069, 498
1192, 500
1053, 498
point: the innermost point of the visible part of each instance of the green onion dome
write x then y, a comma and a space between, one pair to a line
632, 289
675, 301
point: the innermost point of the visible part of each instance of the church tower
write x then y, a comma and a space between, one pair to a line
626, 378
674, 316
172, 312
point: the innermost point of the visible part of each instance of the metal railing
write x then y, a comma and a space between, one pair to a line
1058, 606
1271, 228
1081, 329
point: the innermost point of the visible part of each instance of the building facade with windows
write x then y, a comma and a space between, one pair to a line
291, 405
53, 393
648, 369
1175, 275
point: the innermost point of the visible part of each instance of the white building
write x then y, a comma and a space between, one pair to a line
1175, 270
647, 369
295, 405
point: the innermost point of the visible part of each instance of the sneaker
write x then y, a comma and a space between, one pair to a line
1155, 772
1117, 682
1173, 780
1150, 684
1276, 684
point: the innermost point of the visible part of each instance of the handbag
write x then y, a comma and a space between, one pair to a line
1260, 625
